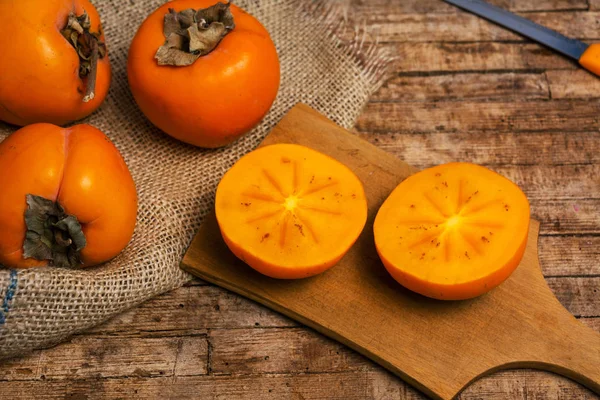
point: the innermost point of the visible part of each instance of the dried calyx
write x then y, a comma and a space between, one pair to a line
190, 34
88, 46
52, 234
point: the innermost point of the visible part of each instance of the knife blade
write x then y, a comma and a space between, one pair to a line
587, 55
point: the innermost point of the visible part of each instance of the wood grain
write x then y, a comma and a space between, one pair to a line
280, 351
579, 295
465, 27
93, 357
446, 56
465, 86
573, 84
543, 149
366, 7
351, 385
190, 310
519, 323
468, 116
568, 217
570, 255
477, 56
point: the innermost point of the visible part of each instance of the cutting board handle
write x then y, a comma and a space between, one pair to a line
552, 339
575, 350
576, 355
579, 357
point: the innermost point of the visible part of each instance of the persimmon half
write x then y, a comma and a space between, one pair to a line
289, 211
452, 232
203, 72
67, 197
54, 66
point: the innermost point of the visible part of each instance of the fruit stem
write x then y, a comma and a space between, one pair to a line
52, 235
191, 34
91, 81
89, 49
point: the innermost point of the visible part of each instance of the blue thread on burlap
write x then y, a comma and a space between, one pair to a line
8, 296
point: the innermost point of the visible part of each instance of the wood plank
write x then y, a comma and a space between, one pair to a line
581, 296
284, 351
477, 56
388, 26
573, 84
567, 217
190, 310
245, 352
490, 147
464, 86
498, 117
524, 385
557, 182
349, 385
21, 368
280, 350
594, 4
366, 7
92, 357
569, 255
356, 385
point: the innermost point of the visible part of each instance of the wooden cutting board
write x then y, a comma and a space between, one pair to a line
439, 347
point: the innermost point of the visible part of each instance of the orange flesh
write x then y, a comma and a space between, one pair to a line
452, 232
289, 211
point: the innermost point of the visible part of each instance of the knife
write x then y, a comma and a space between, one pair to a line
587, 55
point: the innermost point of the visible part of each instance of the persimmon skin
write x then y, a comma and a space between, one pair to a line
39, 78
218, 98
463, 291
290, 212
273, 270
81, 169
452, 232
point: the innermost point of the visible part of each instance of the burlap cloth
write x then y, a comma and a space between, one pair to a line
176, 182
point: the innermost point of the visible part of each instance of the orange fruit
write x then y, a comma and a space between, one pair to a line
452, 232
289, 211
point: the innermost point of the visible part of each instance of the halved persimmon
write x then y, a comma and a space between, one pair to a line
452, 232
289, 211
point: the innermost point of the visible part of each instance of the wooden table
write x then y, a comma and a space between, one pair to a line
462, 89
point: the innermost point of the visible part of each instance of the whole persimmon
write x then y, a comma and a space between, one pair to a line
67, 197
202, 72
53, 66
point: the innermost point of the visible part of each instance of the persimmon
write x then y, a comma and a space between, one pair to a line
67, 197
452, 232
203, 72
54, 66
289, 211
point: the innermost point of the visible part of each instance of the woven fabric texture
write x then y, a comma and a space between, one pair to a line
176, 182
